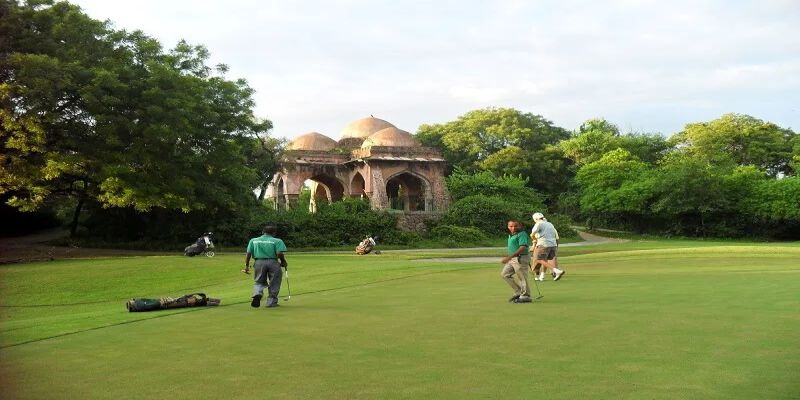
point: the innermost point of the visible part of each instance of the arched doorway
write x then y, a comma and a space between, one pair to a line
407, 192
357, 186
324, 190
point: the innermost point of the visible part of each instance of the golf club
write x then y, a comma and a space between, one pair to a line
537, 289
288, 288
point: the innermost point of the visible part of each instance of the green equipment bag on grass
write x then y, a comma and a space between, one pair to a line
189, 300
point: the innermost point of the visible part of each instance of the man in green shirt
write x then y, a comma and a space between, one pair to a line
517, 263
267, 250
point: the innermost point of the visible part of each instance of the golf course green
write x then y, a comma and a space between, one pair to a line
655, 319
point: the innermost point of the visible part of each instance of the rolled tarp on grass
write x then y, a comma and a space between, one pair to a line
188, 300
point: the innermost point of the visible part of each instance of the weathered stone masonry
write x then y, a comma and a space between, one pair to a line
372, 159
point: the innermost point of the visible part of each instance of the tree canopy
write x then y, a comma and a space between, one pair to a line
90, 113
503, 141
741, 140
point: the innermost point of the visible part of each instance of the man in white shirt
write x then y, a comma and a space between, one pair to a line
544, 253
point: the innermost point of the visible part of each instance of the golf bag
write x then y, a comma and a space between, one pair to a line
203, 245
189, 300
366, 245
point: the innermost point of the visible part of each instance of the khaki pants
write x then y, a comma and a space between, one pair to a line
515, 273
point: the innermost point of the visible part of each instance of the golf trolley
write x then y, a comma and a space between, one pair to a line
366, 245
203, 245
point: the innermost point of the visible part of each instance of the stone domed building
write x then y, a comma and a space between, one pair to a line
372, 159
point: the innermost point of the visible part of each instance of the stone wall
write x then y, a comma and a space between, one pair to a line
416, 221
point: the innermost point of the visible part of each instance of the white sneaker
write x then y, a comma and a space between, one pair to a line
541, 277
559, 275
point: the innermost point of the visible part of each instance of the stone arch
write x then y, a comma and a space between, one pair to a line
357, 185
407, 191
333, 187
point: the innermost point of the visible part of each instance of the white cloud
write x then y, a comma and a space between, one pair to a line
652, 65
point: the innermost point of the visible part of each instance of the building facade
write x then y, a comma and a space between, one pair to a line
373, 159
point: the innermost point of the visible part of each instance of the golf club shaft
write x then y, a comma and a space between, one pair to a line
535, 282
288, 287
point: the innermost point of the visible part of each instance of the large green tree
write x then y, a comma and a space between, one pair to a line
740, 140
617, 188
504, 141
94, 114
596, 137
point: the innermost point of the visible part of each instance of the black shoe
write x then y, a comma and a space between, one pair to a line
256, 301
523, 299
513, 298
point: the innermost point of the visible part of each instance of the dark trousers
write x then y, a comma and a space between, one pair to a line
268, 274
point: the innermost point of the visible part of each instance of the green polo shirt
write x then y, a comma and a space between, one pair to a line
518, 239
266, 246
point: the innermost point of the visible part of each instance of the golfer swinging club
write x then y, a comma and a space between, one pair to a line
267, 250
517, 263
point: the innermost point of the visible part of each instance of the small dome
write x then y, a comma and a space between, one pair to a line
391, 137
364, 127
312, 141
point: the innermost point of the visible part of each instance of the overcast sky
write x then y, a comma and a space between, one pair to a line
648, 66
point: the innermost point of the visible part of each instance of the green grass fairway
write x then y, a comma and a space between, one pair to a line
638, 320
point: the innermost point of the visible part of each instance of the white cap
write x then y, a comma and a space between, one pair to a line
537, 216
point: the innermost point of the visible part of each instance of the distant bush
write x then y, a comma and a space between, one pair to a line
462, 184
454, 235
489, 214
345, 222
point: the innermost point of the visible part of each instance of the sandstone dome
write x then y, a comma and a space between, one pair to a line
364, 127
391, 137
312, 141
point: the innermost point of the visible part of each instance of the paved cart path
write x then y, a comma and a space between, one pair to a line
588, 240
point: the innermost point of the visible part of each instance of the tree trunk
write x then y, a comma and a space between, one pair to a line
263, 190
74, 225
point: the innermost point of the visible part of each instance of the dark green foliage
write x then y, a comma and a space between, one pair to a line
487, 213
165, 229
99, 117
15, 222
740, 140
345, 222
485, 201
503, 141
454, 235
462, 184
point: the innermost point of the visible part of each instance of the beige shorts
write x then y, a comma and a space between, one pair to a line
544, 253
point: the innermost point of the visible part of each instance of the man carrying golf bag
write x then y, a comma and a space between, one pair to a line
267, 250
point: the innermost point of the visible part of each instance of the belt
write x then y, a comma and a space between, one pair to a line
266, 258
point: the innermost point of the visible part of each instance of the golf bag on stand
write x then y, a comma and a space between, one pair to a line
203, 245
189, 300
366, 246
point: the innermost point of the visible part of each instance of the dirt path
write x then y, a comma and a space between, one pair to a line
594, 239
